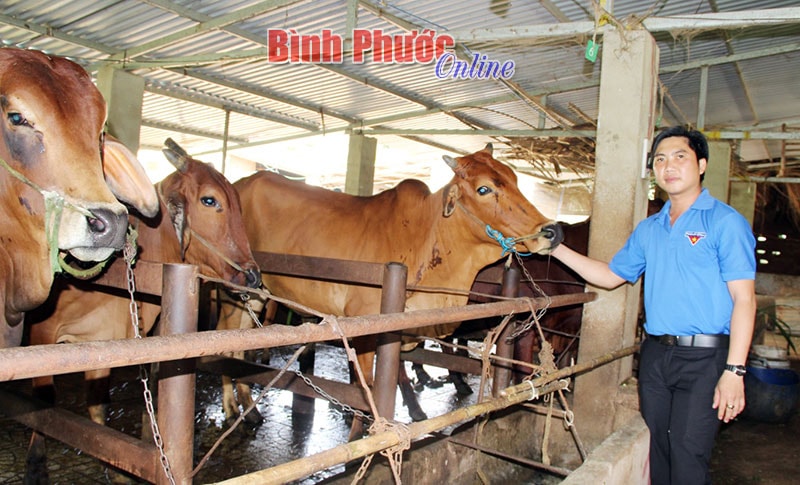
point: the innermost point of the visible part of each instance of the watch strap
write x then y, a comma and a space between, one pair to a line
739, 370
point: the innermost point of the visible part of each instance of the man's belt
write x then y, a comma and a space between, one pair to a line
716, 341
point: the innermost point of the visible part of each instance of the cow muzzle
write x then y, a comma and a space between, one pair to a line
554, 234
93, 237
252, 278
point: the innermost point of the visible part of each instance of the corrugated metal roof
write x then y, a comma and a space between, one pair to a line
202, 58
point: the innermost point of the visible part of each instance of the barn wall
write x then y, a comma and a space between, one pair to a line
437, 461
621, 458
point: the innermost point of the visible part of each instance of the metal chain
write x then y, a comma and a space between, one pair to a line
357, 412
332, 399
246, 301
534, 318
129, 253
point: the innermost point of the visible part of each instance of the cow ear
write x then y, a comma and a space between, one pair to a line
176, 205
451, 195
127, 179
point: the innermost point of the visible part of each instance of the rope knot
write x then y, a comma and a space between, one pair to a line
507, 243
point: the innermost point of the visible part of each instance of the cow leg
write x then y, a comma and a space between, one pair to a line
457, 378
36, 460
229, 405
98, 397
233, 315
365, 357
423, 378
97, 394
409, 396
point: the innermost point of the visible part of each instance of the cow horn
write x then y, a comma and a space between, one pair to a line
175, 154
450, 161
488, 148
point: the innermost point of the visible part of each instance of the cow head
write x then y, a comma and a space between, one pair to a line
207, 217
486, 192
50, 141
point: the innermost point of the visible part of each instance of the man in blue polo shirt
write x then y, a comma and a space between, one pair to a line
698, 259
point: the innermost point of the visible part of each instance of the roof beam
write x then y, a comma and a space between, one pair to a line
710, 21
193, 96
263, 93
380, 10
48, 31
215, 23
160, 125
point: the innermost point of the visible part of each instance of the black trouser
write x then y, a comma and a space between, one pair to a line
676, 391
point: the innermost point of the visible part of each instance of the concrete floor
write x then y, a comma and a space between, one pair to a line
280, 439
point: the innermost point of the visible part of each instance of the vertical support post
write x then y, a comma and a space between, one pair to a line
502, 370
393, 300
701, 102
360, 176
718, 171
176, 384
124, 95
628, 82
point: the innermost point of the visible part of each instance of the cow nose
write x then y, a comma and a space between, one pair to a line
554, 233
253, 277
107, 228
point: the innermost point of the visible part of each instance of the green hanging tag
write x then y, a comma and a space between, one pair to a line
591, 51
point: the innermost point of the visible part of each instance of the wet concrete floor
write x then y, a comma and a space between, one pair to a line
284, 437
281, 438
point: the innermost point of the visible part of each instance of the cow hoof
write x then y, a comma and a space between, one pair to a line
253, 418
417, 414
36, 462
462, 388
423, 378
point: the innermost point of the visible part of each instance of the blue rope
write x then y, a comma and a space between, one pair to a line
507, 243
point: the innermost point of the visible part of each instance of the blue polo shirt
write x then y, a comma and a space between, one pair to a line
686, 266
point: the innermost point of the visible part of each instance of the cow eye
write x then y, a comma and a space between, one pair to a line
17, 119
483, 190
208, 201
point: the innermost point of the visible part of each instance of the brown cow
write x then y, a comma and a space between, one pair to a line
55, 197
200, 223
441, 237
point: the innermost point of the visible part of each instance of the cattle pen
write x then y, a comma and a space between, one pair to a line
178, 346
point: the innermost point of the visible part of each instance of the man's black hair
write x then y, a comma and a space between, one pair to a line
697, 142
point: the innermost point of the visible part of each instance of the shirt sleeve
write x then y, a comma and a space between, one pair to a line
629, 262
737, 249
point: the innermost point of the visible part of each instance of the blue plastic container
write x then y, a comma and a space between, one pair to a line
771, 394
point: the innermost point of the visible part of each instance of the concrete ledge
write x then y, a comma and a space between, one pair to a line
621, 458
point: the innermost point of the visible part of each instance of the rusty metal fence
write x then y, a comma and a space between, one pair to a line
178, 344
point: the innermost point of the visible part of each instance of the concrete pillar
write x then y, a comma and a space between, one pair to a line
360, 177
718, 171
124, 94
625, 126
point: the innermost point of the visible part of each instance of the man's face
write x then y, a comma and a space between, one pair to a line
676, 166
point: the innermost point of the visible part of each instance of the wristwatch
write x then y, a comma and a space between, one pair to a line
739, 370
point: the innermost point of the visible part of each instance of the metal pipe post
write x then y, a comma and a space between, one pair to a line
176, 384
503, 348
393, 300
